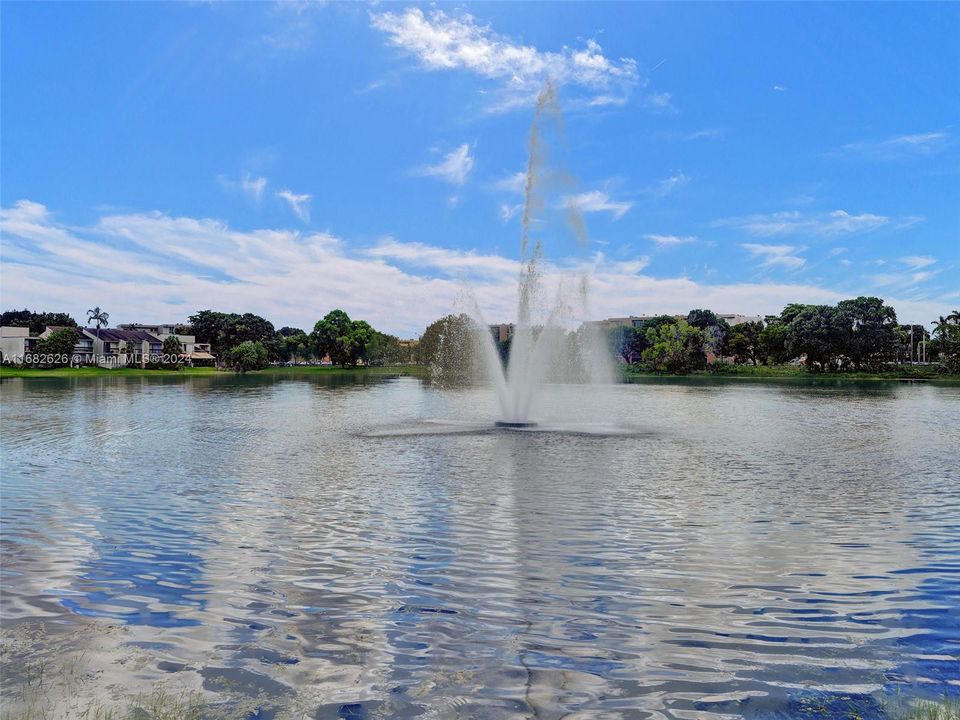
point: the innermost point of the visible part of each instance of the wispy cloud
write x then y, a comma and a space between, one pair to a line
918, 261
660, 102
899, 146
515, 183
445, 42
251, 187
668, 240
907, 280
776, 255
452, 261
299, 204
705, 134
668, 185
168, 267
837, 222
508, 212
454, 168
597, 201
780, 88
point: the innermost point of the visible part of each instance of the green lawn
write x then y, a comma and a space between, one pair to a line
11, 372
789, 372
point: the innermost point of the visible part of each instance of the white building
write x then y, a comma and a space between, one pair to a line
15, 342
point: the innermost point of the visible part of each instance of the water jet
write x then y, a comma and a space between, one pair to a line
542, 349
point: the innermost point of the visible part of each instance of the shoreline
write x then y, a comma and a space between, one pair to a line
757, 374
14, 372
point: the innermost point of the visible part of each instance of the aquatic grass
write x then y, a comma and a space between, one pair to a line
945, 709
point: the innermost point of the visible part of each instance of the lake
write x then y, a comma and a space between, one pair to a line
327, 546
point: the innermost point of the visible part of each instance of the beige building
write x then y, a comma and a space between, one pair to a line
194, 351
637, 320
15, 342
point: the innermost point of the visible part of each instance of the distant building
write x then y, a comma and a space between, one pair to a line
629, 321
82, 350
192, 350
734, 319
15, 342
502, 332
637, 320
116, 347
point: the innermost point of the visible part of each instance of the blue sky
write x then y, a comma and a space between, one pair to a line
289, 158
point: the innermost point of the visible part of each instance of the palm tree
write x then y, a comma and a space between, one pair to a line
99, 317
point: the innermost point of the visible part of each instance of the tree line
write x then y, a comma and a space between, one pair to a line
860, 334
239, 341
250, 342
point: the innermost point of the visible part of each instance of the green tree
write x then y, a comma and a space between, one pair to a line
358, 341
702, 318
626, 342
869, 338
248, 355
225, 331
386, 349
791, 311
331, 336
675, 348
744, 342
172, 350
36, 322
57, 347
293, 344
946, 341
715, 330
817, 333
209, 326
450, 348
241, 328
773, 342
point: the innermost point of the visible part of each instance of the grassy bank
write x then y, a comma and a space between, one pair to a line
15, 372
793, 372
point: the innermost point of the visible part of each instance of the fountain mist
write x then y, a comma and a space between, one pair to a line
542, 349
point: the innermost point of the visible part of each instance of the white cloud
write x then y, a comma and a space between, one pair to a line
667, 240
515, 183
706, 133
660, 102
299, 204
903, 280
456, 262
790, 222
508, 212
597, 201
918, 261
900, 146
444, 42
668, 185
454, 168
780, 88
252, 187
776, 255
165, 268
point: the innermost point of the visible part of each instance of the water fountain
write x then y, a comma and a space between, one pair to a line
541, 349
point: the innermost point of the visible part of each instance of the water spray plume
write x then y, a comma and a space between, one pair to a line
541, 349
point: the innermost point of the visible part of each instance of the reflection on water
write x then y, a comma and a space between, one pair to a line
303, 547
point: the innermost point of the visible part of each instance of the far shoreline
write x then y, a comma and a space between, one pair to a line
627, 376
